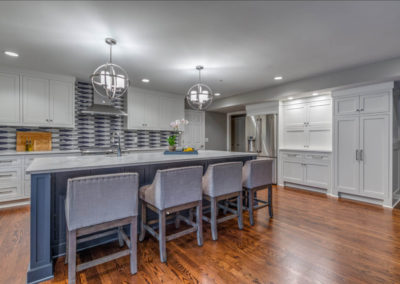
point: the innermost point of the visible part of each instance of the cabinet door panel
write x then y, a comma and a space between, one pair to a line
319, 138
62, 104
152, 107
319, 114
375, 103
347, 142
36, 101
294, 116
348, 105
317, 175
136, 110
374, 141
292, 171
10, 99
295, 139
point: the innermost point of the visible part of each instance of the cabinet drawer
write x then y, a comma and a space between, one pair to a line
9, 177
10, 162
287, 155
9, 192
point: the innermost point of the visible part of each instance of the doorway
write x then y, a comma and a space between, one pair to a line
238, 133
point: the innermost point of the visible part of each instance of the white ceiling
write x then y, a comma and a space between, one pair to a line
243, 43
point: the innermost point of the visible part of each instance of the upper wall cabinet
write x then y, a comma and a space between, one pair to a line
37, 99
10, 99
150, 110
307, 123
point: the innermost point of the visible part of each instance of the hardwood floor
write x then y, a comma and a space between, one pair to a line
311, 239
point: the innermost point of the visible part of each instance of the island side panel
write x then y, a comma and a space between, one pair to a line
41, 265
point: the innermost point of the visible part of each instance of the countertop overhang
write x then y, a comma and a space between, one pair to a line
65, 164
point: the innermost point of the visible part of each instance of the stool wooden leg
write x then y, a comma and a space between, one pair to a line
143, 221
133, 245
71, 256
240, 210
199, 221
120, 239
161, 235
214, 215
250, 204
270, 201
66, 248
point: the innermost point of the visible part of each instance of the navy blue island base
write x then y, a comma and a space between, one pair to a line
48, 190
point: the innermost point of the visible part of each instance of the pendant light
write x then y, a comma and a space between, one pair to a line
110, 80
199, 96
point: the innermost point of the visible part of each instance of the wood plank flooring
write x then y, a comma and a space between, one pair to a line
311, 239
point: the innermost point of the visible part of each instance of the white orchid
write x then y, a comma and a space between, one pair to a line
175, 124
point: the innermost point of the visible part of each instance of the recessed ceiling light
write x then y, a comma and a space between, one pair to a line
217, 94
278, 78
290, 98
315, 94
144, 80
11, 53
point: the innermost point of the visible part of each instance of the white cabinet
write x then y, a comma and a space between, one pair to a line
312, 170
47, 102
307, 124
61, 104
362, 147
152, 110
36, 101
10, 99
347, 105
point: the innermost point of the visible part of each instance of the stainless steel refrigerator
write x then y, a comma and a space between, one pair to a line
262, 138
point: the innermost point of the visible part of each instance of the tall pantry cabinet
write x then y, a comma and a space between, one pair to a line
362, 143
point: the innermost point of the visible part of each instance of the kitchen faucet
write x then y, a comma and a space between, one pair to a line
117, 142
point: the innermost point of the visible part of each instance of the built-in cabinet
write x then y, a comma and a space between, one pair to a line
306, 143
307, 123
36, 99
150, 110
362, 143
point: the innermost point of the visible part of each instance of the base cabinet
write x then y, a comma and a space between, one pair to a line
308, 169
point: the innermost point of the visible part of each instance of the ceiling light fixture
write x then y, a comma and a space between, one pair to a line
315, 94
144, 80
217, 94
11, 53
110, 80
290, 98
277, 78
199, 96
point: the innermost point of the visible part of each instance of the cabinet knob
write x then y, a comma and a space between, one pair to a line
362, 109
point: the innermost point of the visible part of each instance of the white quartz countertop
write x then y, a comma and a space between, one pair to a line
61, 164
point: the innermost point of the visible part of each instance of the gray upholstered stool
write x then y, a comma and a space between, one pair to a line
98, 203
257, 175
222, 182
172, 190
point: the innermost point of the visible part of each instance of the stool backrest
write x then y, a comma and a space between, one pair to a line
177, 186
257, 173
98, 199
223, 178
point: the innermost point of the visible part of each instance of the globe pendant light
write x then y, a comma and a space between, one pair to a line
110, 80
199, 96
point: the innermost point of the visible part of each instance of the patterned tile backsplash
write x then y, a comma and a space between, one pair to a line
90, 130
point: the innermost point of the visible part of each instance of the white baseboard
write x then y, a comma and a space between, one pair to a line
15, 203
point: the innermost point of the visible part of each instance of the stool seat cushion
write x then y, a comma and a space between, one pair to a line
173, 187
257, 173
222, 178
99, 199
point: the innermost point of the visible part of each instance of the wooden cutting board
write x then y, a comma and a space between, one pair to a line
41, 141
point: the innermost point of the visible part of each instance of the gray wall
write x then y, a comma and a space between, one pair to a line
215, 131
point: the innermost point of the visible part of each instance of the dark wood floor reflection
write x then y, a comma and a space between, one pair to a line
311, 239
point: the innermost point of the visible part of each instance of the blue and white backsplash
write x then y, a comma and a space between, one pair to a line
90, 130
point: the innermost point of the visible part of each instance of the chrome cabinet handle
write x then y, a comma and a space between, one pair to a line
357, 110
361, 155
4, 176
8, 161
362, 109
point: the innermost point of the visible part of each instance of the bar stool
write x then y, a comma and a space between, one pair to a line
257, 175
98, 203
223, 181
172, 190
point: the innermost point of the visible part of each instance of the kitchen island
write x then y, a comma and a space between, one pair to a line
49, 184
